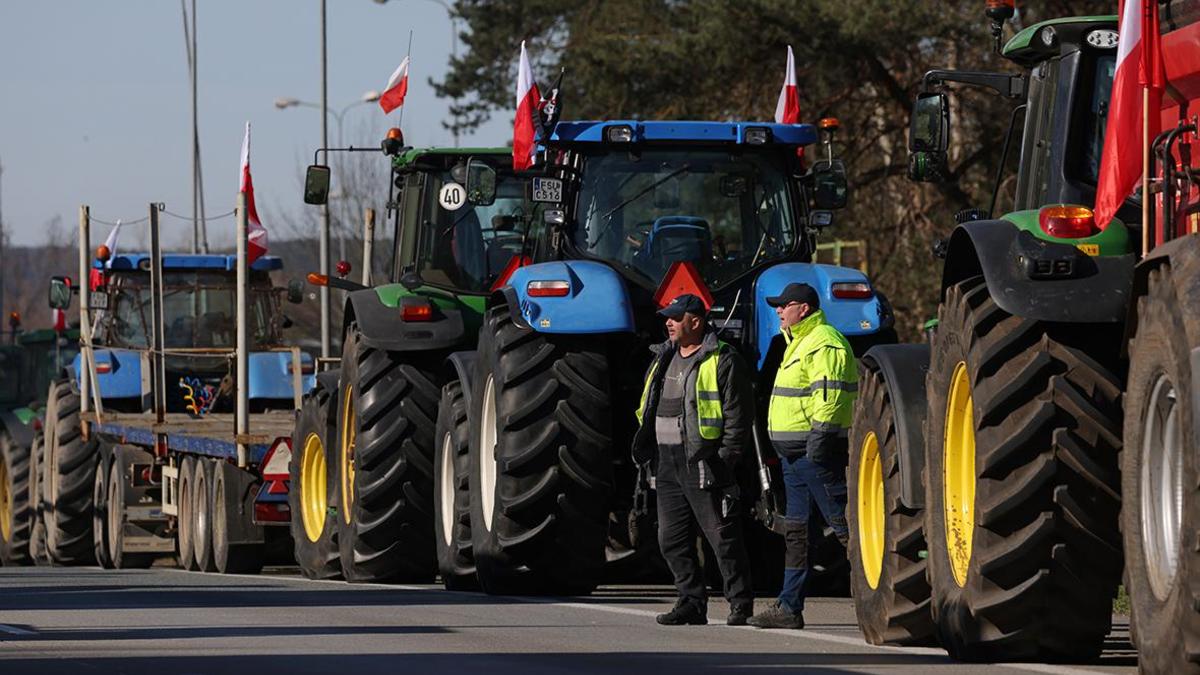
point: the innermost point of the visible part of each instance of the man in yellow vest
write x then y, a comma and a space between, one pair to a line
808, 420
696, 414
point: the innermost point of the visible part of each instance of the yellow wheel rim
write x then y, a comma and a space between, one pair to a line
958, 474
871, 516
314, 503
347, 453
6, 510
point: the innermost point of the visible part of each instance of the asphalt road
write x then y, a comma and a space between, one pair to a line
165, 621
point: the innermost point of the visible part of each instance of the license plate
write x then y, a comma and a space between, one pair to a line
547, 190
98, 300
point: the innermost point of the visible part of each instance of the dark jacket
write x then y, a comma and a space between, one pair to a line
737, 409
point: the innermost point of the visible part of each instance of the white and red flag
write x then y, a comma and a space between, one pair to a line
1139, 75
528, 98
787, 110
396, 89
256, 234
111, 242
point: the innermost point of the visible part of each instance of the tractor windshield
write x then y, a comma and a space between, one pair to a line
725, 212
464, 247
199, 310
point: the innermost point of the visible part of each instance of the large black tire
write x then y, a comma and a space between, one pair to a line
238, 546
451, 491
37, 535
202, 515
100, 536
387, 411
1161, 526
185, 543
314, 529
1040, 426
16, 516
115, 515
69, 473
892, 599
540, 493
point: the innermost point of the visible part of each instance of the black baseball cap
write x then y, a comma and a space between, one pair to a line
684, 304
796, 292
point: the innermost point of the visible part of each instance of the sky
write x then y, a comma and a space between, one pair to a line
95, 102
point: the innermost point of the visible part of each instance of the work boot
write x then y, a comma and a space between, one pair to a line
739, 614
684, 614
777, 616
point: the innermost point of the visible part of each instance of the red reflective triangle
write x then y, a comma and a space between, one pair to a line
682, 278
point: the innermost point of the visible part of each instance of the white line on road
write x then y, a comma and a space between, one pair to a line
13, 630
1047, 669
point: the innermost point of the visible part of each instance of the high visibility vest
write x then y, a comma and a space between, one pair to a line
707, 397
815, 387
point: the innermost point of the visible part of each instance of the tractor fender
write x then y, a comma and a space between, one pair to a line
596, 300
270, 375
124, 377
18, 431
460, 366
1094, 290
382, 327
903, 368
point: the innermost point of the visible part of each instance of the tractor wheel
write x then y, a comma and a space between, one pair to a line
202, 515
1022, 485
1160, 520
887, 577
115, 514
238, 545
37, 534
387, 411
100, 534
70, 474
541, 467
312, 491
185, 532
451, 494
15, 512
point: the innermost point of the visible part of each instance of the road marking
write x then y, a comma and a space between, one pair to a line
13, 630
816, 636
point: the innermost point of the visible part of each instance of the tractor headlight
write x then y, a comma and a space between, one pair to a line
621, 133
757, 135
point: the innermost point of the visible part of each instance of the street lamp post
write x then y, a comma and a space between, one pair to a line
453, 51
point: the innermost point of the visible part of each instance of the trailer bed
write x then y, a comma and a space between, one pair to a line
211, 436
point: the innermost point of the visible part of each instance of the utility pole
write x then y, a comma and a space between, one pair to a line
324, 253
2, 264
199, 226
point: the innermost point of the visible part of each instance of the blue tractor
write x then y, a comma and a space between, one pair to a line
98, 479
534, 477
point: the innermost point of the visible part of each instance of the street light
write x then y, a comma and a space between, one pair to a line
369, 96
453, 50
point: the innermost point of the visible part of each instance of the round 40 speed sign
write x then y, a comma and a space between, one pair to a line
452, 196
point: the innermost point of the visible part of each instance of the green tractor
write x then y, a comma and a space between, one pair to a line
984, 478
362, 485
27, 366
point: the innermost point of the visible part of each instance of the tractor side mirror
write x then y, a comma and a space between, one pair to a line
60, 292
316, 184
481, 183
831, 189
928, 137
295, 292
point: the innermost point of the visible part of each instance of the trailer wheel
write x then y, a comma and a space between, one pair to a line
887, 577
116, 515
186, 520
202, 512
238, 544
541, 468
1022, 485
1159, 482
15, 512
70, 474
312, 488
100, 534
387, 408
451, 492
37, 534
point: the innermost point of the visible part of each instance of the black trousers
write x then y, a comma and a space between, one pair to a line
683, 508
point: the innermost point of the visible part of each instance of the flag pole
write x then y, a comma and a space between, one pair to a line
407, 56
1145, 170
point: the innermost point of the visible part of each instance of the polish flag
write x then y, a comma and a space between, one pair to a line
256, 244
528, 97
787, 110
1139, 68
58, 319
396, 90
111, 242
